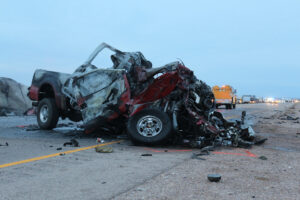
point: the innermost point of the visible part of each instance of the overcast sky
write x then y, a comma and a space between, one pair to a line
253, 45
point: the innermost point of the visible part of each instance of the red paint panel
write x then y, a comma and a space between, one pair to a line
161, 87
34, 93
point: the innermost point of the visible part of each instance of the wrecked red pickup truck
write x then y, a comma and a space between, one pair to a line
152, 105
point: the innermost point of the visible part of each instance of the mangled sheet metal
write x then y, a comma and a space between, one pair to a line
96, 91
173, 106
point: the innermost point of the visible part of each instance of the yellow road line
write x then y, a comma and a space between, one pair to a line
56, 154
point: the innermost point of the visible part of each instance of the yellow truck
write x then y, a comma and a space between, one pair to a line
225, 95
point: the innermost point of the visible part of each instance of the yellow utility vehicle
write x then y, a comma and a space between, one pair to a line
225, 95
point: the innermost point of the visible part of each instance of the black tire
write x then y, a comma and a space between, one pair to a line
144, 116
234, 105
47, 114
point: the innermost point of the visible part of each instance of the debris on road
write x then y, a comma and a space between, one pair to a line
59, 149
263, 157
6, 144
100, 140
197, 156
103, 149
30, 111
259, 140
146, 154
72, 142
214, 177
32, 128
287, 117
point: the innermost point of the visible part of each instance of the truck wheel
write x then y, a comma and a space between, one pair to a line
149, 126
47, 114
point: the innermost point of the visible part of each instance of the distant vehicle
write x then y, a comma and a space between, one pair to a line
225, 95
247, 99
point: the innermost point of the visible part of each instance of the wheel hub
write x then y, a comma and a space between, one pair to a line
44, 113
149, 126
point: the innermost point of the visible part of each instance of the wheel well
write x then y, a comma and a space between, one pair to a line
46, 91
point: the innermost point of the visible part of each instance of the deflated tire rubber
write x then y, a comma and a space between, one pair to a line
161, 137
53, 115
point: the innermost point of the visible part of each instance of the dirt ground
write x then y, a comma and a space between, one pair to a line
245, 174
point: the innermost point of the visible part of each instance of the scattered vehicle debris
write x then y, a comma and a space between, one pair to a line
6, 144
72, 142
59, 149
32, 127
146, 154
30, 111
197, 156
263, 157
103, 149
214, 177
287, 117
100, 140
153, 105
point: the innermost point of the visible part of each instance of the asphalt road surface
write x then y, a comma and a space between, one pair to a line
36, 165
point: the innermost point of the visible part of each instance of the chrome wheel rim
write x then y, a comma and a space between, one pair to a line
149, 126
44, 113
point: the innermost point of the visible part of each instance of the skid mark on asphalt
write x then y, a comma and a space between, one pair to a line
56, 154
